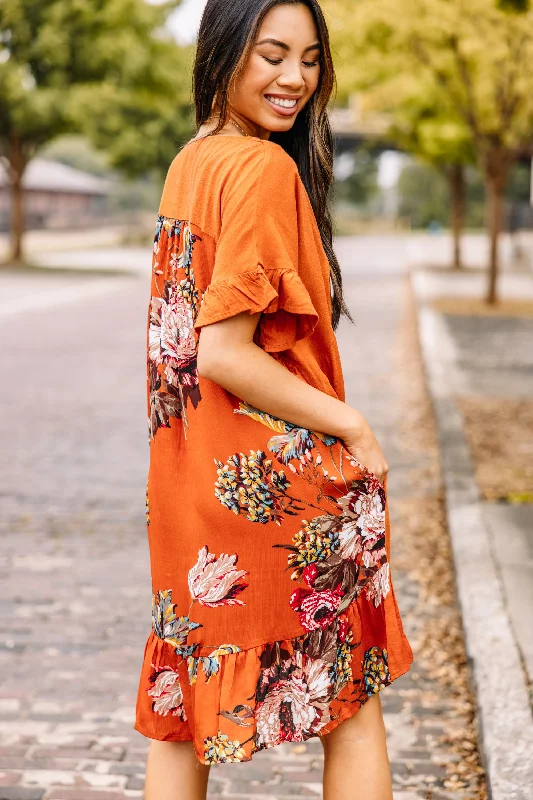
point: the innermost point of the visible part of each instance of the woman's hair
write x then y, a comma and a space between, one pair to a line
227, 32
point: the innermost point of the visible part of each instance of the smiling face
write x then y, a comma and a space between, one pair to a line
281, 73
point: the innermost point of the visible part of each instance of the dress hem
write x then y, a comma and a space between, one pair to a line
350, 712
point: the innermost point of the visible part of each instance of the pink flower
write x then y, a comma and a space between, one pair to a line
215, 582
178, 343
317, 609
171, 338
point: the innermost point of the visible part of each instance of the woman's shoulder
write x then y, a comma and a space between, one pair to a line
234, 158
250, 157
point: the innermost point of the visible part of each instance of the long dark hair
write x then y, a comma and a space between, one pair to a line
225, 39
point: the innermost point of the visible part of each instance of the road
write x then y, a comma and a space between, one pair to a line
75, 582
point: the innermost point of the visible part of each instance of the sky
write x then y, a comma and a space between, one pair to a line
186, 20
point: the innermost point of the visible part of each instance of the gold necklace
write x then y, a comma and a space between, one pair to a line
205, 136
239, 127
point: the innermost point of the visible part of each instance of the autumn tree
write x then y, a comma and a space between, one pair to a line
424, 125
478, 57
56, 54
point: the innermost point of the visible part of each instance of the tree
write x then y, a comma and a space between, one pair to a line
425, 126
359, 184
478, 58
54, 54
423, 196
422, 124
140, 123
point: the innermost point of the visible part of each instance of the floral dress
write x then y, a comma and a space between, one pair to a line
273, 612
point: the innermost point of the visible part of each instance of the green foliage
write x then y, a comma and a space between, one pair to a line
104, 66
424, 196
519, 184
517, 6
469, 63
75, 151
141, 126
361, 186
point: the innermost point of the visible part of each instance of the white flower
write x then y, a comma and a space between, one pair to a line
215, 582
167, 693
379, 586
318, 678
350, 539
371, 519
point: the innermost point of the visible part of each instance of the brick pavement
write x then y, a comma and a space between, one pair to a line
75, 584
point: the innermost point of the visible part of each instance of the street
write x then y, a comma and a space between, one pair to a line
75, 589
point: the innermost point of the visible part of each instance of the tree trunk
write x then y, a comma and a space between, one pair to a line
496, 172
457, 186
18, 165
494, 197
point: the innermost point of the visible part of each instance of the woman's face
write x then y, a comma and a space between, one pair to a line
281, 74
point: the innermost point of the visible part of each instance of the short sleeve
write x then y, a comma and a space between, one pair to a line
256, 257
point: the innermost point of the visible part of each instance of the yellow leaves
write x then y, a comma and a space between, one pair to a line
470, 62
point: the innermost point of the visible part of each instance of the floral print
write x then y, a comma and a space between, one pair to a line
212, 582
317, 609
375, 670
316, 541
341, 668
334, 556
293, 442
211, 663
343, 552
172, 341
220, 749
168, 626
215, 582
291, 697
166, 691
249, 485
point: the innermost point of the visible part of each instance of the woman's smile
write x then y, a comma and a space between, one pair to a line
283, 104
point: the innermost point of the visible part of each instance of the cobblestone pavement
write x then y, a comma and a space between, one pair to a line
75, 583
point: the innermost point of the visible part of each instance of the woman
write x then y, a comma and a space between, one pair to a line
274, 617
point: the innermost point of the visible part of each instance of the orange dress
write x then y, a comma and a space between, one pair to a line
273, 611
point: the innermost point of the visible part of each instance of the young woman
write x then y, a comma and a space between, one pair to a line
274, 617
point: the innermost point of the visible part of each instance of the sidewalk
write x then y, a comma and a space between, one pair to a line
475, 363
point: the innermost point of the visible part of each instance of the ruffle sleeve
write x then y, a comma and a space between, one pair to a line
287, 311
256, 258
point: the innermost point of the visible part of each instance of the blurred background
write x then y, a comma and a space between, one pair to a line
433, 131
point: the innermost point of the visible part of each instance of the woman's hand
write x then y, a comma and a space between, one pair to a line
364, 447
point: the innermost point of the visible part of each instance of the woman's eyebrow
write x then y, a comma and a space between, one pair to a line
286, 46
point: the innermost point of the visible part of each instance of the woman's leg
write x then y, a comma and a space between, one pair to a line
174, 773
356, 762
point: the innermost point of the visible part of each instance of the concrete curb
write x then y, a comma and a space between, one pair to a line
504, 712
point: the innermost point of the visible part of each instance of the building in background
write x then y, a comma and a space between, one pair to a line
57, 196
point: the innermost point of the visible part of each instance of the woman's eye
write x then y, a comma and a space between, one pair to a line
279, 60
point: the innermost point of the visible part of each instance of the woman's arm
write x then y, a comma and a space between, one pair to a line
227, 355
